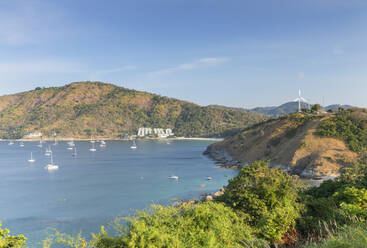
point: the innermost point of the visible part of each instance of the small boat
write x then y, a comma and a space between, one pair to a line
71, 143
103, 143
202, 185
173, 177
40, 144
51, 166
93, 149
74, 153
31, 160
55, 142
92, 140
209, 178
134, 145
11, 143
21, 144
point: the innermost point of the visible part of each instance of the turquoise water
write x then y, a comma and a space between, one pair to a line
91, 189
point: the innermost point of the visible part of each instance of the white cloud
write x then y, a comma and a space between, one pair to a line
189, 66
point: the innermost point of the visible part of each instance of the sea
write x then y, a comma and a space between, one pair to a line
92, 188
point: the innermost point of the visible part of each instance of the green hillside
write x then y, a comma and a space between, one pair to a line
310, 145
83, 109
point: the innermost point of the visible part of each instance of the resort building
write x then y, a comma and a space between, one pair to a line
159, 132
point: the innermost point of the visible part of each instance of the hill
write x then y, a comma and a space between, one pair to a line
83, 109
291, 107
307, 145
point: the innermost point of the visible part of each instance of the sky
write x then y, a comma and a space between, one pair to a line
241, 53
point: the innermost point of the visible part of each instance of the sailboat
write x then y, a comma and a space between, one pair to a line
92, 140
48, 151
134, 145
71, 144
74, 153
31, 160
11, 143
93, 149
103, 143
51, 166
40, 144
55, 142
21, 144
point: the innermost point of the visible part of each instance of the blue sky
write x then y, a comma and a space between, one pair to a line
237, 53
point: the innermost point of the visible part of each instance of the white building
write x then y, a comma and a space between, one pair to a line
160, 132
33, 135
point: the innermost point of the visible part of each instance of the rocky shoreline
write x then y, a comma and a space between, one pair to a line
224, 160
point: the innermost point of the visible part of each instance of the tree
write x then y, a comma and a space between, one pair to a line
267, 197
207, 224
316, 108
11, 241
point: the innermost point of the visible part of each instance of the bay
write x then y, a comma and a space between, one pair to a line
93, 188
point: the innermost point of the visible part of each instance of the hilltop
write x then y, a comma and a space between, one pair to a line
309, 145
292, 107
82, 109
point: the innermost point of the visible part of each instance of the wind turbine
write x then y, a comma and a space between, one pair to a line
299, 100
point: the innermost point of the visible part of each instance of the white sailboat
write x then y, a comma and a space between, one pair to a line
11, 143
21, 144
51, 166
74, 153
93, 149
103, 143
31, 160
71, 144
173, 177
55, 141
134, 145
92, 140
40, 144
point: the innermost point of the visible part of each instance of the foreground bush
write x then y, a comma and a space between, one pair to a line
202, 225
267, 198
10, 241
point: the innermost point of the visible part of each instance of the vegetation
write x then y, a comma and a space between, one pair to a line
348, 236
208, 224
350, 126
10, 241
93, 108
268, 198
315, 108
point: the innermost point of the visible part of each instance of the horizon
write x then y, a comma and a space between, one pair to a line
269, 106
237, 53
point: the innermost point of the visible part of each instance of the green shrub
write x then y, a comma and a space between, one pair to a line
267, 198
349, 126
202, 225
11, 241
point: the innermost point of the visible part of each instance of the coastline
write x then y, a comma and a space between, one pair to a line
111, 139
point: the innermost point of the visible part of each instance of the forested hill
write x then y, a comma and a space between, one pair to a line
83, 109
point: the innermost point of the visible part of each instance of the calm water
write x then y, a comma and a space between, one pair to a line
93, 188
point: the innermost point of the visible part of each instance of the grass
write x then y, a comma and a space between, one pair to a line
350, 236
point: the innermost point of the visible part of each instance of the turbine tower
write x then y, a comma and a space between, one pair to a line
299, 100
